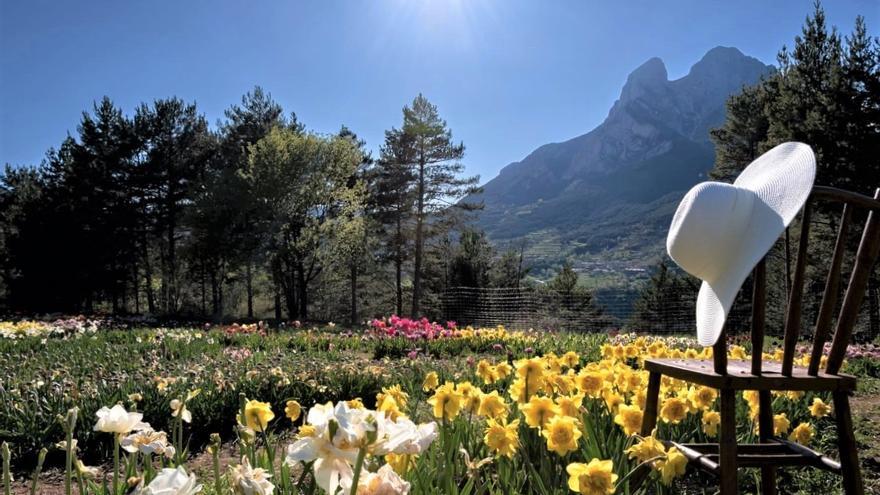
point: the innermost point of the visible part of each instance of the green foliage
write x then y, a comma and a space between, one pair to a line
664, 302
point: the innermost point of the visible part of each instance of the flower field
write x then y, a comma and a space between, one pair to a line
400, 406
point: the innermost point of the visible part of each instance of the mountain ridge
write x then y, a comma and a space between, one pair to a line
653, 144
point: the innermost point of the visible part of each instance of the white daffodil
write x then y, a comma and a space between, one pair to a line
171, 481
87, 472
148, 442
403, 437
353, 425
383, 482
118, 420
332, 447
246, 480
332, 465
178, 409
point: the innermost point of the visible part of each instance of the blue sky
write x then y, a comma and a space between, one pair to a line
508, 75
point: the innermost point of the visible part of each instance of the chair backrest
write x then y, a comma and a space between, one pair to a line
865, 257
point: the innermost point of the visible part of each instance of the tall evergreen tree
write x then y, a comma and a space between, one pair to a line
177, 148
437, 170
391, 204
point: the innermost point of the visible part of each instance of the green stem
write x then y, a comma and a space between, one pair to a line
68, 476
217, 470
270, 452
40, 459
633, 470
115, 464
7, 476
358, 465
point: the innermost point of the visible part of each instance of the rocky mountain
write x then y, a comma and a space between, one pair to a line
610, 194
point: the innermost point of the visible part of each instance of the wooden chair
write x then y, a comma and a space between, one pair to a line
725, 457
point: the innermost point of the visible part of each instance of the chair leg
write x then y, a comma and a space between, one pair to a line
727, 444
649, 417
849, 458
765, 432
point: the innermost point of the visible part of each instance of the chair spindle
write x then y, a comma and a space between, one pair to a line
759, 301
829, 298
855, 291
793, 315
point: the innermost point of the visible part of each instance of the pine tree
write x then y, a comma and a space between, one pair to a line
391, 204
436, 168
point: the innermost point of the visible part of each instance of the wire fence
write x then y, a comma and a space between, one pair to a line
604, 309
527, 307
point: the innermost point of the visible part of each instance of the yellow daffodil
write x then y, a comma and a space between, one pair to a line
595, 478
531, 370
780, 424
702, 398
257, 415
562, 434
672, 466
503, 370
471, 396
569, 405
590, 383
819, 409
400, 463
431, 381
802, 434
570, 359
305, 431
613, 400
446, 402
292, 410
492, 405
629, 418
647, 448
390, 407
674, 410
397, 393
539, 411
502, 437
711, 420
486, 372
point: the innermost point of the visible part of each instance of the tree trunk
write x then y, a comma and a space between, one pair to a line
302, 291
250, 290
873, 310
203, 275
288, 285
277, 288
398, 265
171, 294
220, 299
215, 295
137, 295
148, 275
354, 309
417, 269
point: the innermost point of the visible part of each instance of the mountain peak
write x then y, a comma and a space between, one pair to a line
649, 75
725, 60
653, 70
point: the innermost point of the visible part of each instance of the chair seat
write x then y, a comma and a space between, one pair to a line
739, 376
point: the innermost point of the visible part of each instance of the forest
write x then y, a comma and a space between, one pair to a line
158, 212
